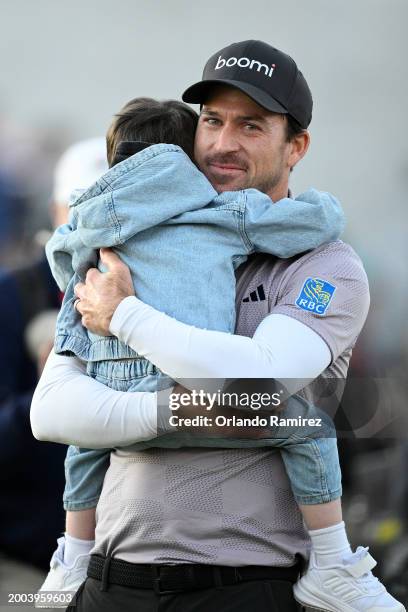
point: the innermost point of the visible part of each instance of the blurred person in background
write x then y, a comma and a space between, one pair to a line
27, 161
32, 474
12, 208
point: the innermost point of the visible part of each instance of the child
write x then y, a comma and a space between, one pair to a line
182, 242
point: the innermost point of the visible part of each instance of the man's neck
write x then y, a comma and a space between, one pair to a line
279, 192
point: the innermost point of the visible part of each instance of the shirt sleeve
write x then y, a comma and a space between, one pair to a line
329, 293
186, 353
71, 408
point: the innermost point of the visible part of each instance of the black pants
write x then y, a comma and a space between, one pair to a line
256, 596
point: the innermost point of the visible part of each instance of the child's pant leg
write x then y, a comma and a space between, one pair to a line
310, 455
85, 471
313, 469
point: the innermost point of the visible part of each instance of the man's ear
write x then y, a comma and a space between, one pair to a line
299, 146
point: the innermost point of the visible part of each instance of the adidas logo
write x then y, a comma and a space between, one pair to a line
341, 588
256, 296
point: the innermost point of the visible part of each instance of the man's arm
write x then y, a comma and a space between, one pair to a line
71, 408
272, 345
186, 352
294, 341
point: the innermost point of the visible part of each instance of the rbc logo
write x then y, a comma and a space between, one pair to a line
315, 296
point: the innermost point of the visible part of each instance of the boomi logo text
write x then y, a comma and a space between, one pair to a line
245, 62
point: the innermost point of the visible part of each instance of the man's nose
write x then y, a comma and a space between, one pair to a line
226, 140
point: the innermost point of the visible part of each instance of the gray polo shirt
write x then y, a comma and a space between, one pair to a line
234, 506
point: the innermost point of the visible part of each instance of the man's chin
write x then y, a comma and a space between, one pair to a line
227, 181
228, 185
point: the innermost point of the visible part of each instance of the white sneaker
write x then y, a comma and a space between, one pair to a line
62, 579
347, 587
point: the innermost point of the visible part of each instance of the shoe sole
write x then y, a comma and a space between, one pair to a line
308, 600
308, 608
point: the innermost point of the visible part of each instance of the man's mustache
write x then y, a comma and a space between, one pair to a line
227, 159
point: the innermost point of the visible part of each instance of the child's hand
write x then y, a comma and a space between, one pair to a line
101, 293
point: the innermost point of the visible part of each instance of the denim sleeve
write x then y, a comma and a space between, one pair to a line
291, 226
59, 256
67, 254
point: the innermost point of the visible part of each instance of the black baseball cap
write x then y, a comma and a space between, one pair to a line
265, 74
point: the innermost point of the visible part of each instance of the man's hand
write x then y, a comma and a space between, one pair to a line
101, 294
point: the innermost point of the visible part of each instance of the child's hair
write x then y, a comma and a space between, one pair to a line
152, 121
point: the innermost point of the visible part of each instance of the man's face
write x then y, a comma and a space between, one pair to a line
239, 144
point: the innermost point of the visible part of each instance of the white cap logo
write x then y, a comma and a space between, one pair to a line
245, 62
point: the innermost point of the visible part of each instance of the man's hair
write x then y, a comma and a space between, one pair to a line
293, 128
153, 121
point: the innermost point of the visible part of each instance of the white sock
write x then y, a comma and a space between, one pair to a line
330, 544
74, 547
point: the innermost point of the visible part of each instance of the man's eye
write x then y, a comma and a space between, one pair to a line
211, 121
251, 127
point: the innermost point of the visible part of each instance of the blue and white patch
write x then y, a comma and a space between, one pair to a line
315, 296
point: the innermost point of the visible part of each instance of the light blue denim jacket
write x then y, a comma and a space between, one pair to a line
181, 240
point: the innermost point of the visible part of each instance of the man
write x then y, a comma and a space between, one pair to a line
229, 515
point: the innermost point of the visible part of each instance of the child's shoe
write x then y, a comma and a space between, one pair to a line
62, 579
347, 587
